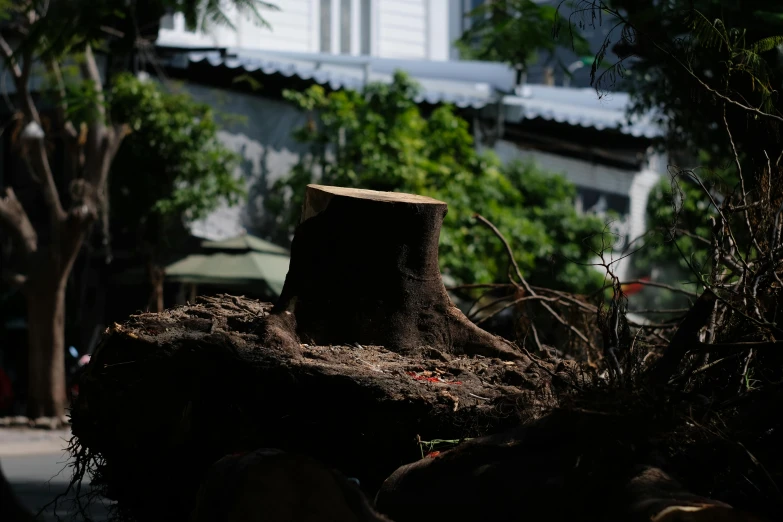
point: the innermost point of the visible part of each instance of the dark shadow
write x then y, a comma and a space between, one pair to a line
36, 495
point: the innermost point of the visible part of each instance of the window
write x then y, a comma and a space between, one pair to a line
349, 13
365, 27
345, 26
326, 26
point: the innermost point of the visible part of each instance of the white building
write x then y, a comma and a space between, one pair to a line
412, 29
346, 43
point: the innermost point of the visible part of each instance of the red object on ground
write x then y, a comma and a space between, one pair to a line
431, 379
635, 288
6, 391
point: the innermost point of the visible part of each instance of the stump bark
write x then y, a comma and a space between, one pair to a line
364, 269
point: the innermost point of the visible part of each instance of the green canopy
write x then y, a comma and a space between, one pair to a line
244, 260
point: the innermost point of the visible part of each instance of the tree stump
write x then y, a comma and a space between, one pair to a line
364, 269
363, 354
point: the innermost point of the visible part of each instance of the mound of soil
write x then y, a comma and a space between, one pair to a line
166, 395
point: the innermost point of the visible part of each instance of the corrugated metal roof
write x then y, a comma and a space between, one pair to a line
462, 83
352, 72
579, 107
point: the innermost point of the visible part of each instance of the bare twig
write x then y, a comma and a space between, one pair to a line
527, 287
510, 253
653, 284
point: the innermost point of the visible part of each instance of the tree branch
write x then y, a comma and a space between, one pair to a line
90, 72
8, 54
62, 104
526, 286
38, 161
15, 219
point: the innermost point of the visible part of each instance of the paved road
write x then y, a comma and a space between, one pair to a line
37, 467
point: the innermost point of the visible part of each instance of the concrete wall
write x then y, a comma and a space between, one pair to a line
636, 185
263, 138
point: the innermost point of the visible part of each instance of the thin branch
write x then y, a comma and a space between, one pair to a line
691, 235
653, 284
21, 76
10, 59
38, 161
508, 305
661, 311
510, 252
742, 181
525, 284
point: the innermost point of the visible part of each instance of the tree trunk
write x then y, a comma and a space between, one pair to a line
364, 269
156, 276
46, 345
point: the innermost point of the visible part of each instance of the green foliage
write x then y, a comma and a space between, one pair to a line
742, 58
678, 228
379, 140
516, 31
674, 49
172, 166
204, 14
687, 58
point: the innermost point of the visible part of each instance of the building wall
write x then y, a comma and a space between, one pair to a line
263, 139
384, 28
581, 173
402, 28
635, 185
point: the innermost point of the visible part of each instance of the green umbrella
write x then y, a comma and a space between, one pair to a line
244, 260
245, 242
